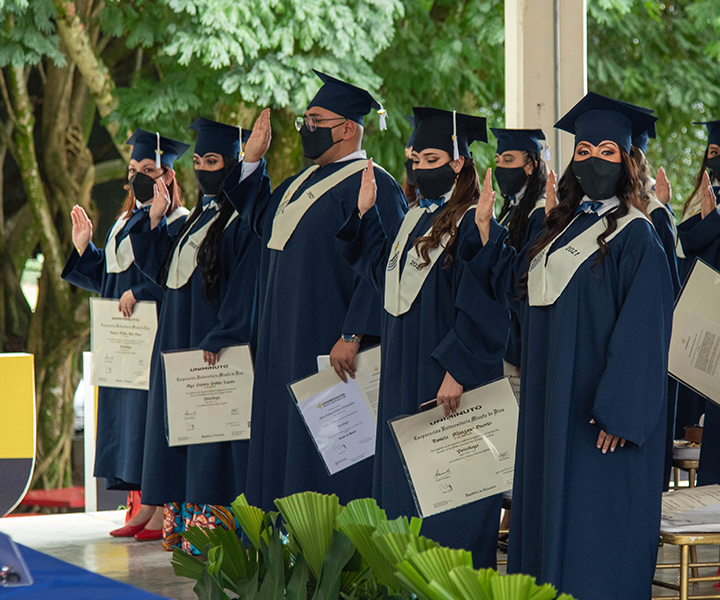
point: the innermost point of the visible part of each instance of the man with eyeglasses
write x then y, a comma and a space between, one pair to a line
311, 303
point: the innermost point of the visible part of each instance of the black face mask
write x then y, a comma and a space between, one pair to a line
142, 187
210, 182
510, 180
318, 142
409, 172
597, 177
433, 183
713, 164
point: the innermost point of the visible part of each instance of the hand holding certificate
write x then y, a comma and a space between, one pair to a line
695, 344
452, 461
341, 417
208, 403
122, 346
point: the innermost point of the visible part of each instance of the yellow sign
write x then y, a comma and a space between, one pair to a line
17, 406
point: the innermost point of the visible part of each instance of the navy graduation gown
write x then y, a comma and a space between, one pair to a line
212, 473
120, 412
586, 522
535, 226
451, 326
700, 238
309, 298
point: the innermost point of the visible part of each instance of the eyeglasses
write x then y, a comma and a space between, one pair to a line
311, 122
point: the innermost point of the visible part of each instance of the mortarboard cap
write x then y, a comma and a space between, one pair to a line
411, 139
713, 128
447, 130
218, 137
346, 100
641, 141
596, 118
161, 149
523, 140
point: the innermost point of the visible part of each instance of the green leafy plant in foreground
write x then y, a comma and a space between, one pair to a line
325, 551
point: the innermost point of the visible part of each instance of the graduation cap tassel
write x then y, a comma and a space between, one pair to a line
456, 152
242, 152
546, 155
157, 151
382, 113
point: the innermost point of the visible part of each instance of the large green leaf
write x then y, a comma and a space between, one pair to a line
310, 519
209, 589
521, 587
467, 584
341, 550
250, 519
273, 582
236, 565
436, 564
186, 565
397, 546
297, 586
358, 521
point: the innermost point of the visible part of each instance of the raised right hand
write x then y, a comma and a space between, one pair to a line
707, 196
260, 138
368, 190
551, 192
82, 229
485, 208
663, 189
160, 203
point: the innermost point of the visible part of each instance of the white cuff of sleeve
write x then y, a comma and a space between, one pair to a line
248, 168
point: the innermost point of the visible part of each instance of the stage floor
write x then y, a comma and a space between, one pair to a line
82, 539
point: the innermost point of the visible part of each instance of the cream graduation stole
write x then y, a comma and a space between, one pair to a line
401, 291
184, 259
119, 257
548, 276
289, 215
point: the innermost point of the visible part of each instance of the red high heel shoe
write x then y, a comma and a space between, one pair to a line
129, 530
149, 535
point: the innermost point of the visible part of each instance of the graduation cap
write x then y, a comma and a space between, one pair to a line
596, 118
447, 130
411, 139
219, 138
346, 100
161, 149
713, 128
641, 141
522, 140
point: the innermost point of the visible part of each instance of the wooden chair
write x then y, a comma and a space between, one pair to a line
688, 542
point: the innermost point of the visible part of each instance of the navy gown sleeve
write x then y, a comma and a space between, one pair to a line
86, 271
151, 248
701, 237
664, 228
535, 226
363, 243
628, 401
237, 314
147, 291
366, 305
473, 350
251, 196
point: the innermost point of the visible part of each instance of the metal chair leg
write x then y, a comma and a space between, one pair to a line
676, 477
693, 559
691, 477
684, 571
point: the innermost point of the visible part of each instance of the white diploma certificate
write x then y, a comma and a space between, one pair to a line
122, 346
342, 417
208, 404
452, 461
695, 344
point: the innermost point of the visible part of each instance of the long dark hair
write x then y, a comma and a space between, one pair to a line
570, 193
534, 191
466, 193
698, 183
209, 251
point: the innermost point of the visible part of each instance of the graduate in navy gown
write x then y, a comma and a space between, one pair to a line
440, 333
595, 301
112, 273
209, 272
656, 195
699, 238
311, 303
521, 175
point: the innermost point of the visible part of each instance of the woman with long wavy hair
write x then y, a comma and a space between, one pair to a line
440, 333
210, 276
113, 273
699, 238
595, 301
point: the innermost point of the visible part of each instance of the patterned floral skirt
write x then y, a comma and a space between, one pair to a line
181, 516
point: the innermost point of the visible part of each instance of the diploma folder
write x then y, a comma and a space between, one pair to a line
455, 460
694, 358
